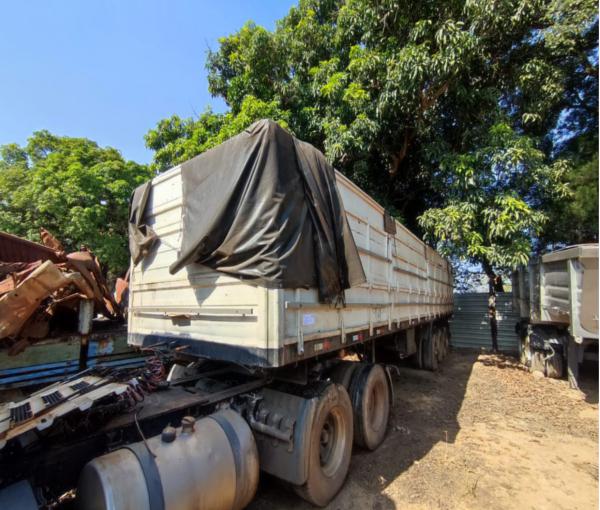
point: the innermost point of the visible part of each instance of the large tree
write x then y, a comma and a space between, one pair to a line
459, 116
72, 187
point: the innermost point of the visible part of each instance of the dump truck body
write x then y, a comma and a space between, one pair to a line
557, 298
561, 288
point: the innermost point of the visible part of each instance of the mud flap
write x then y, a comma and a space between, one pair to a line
277, 413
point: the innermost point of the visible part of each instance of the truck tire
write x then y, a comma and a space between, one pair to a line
440, 343
447, 336
330, 446
343, 372
370, 395
555, 366
416, 360
537, 362
428, 351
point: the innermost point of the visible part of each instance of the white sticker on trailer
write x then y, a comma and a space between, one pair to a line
308, 319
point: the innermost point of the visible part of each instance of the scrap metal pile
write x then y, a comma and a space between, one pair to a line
44, 290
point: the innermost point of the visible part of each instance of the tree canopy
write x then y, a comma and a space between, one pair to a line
72, 187
474, 122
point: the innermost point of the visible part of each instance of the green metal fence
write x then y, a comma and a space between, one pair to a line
470, 326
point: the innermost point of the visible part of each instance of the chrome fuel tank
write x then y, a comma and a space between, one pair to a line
209, 464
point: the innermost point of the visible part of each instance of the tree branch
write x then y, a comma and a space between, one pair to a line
427, 100
401, 154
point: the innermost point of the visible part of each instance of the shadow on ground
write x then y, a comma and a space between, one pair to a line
503, 361
426, 407
588, 382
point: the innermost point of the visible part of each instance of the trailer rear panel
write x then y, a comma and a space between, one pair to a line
561, 289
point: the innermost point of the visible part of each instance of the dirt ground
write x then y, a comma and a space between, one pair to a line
480, 433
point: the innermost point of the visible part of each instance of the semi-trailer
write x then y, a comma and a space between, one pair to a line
274, 297
557, 299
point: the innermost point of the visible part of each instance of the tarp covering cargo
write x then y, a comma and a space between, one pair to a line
263, 206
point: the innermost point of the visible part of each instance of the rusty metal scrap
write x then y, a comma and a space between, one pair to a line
17, 249
122, 292
40, 281
50, 241
18, 305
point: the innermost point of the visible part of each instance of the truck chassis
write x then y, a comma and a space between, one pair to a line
40, 465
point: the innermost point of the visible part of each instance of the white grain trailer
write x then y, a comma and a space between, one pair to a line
557, 298
276, 294
214, 315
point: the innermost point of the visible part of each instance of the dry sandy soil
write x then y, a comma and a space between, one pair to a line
480, 433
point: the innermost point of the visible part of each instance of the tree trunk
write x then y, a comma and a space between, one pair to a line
494, 285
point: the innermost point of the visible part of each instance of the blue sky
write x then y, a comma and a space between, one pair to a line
109, 70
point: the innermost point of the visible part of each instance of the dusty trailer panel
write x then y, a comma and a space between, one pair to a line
214, 315
561, 288
569, 289
557, 297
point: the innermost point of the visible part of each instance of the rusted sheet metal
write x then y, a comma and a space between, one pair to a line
122, 292
17, 249
40, 283
16, 272
50, 241
18, 305
88, 266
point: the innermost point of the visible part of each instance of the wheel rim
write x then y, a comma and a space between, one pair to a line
376, 406
332, 440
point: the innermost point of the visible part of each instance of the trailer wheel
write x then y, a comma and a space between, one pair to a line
554, 366
343, 372
445, 332
537, 362
440, 348
370, 396
330, 446
416, 360
428, 350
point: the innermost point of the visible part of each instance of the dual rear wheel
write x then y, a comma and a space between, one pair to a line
370, 395
329, 446
433, 347
353, 408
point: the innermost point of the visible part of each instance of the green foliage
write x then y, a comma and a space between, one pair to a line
575, 220
74, 188
495, 199
175, 140
448, 112
475, 122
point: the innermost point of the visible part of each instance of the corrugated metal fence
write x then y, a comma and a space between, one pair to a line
470, 326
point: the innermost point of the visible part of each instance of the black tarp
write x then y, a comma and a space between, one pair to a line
141, 237
264, 206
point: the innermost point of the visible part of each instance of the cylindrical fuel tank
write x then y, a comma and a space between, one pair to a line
209, 464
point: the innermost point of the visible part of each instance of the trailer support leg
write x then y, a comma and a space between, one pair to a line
573, 363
